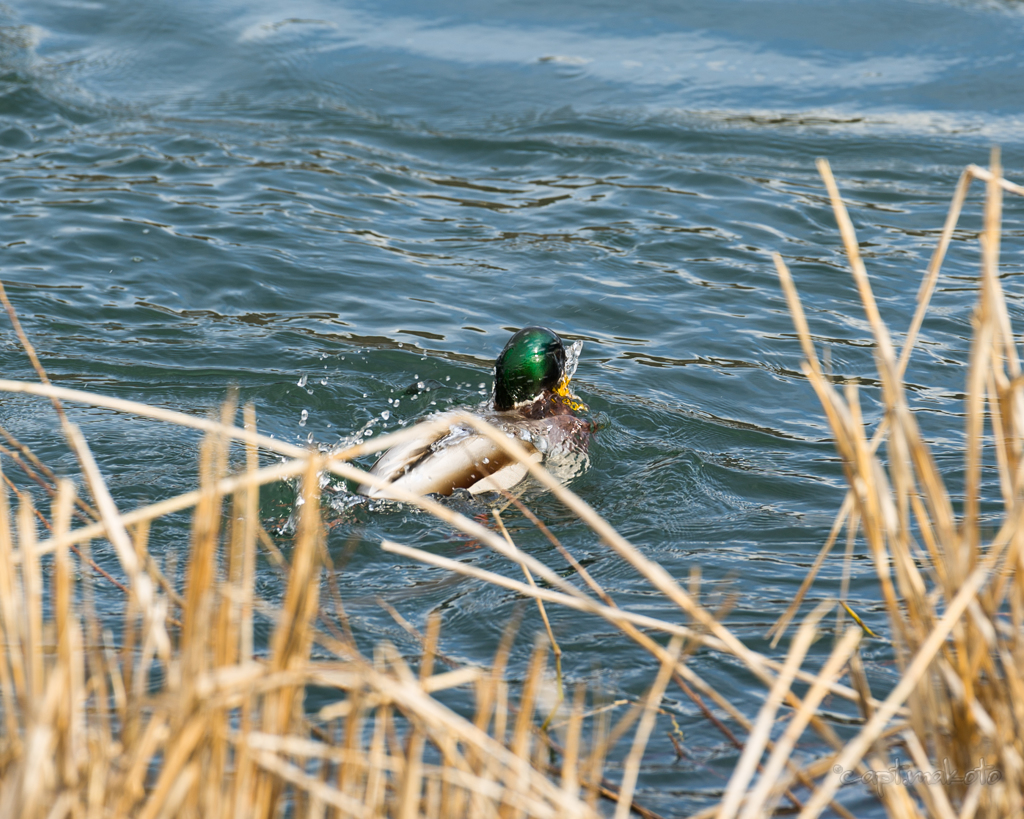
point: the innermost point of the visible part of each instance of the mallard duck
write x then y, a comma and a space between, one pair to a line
531, 401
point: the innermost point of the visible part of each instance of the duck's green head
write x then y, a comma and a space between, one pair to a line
532, 361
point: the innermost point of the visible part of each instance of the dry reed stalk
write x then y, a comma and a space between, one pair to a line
187, 500
744, 769
197, 748
555, 648
551, 577
649, 569
925, 292
953, 608
616, 616
87, 733
628, 621
764, 797
643, 731
208, 425
30, 352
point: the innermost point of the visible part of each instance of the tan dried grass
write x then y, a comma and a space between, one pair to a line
194, 721
189, 718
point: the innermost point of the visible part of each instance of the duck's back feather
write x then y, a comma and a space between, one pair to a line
456, 457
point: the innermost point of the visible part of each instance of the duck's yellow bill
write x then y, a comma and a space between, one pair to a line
570, 400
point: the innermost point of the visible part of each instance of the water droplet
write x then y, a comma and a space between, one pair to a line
572, 358
368, 433
487, 460
303, 417
323, 381
136, 258
396, 401
146, 230
302, 381
447, 378
481, 386
385, 415
309, 438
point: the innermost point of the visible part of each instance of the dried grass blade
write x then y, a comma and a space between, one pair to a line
931, 275
744, 770
780, 626
859, 745
154, 609
764, 797
643, 732
616, 616
649, 569
30, 351
886, 355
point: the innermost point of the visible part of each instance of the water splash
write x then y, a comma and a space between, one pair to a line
572, 358
352, 439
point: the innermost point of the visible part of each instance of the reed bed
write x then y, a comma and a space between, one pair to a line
177, 709
189, 717
952, 591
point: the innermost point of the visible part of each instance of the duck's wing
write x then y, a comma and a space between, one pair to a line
497, 469
452, 459
400, 459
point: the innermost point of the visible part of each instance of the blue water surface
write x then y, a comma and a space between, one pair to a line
324, 203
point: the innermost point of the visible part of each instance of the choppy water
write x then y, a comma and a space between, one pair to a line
362, 196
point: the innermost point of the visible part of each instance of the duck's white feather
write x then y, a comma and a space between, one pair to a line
440, 461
